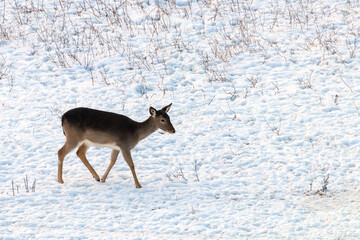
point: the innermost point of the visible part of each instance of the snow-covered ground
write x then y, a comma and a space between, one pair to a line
265, 104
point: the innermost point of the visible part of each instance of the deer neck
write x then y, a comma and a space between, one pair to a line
146, 128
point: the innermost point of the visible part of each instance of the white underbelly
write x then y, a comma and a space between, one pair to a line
109, 145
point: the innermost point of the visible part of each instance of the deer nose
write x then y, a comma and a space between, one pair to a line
171, 131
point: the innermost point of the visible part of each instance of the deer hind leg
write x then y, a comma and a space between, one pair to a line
81, 152
129, 161
68, 147
114, 155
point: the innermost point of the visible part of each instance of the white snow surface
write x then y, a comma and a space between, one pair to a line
265, 105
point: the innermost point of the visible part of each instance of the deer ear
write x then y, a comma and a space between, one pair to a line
152, 111
167, 108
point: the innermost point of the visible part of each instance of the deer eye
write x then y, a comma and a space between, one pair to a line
162, 120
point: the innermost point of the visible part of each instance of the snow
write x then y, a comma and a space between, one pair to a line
265, 105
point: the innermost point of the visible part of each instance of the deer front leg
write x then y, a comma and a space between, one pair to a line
127, 156
114, 155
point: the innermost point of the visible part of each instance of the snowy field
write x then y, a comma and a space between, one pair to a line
266, 107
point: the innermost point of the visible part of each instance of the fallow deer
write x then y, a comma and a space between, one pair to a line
84, 127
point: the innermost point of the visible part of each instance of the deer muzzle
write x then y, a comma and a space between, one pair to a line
171, 131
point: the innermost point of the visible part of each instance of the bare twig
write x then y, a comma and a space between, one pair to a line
345, 83
357, 109
196, 168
